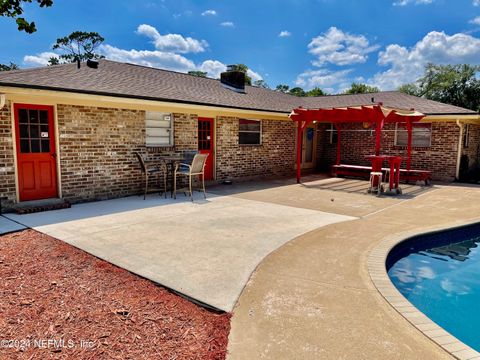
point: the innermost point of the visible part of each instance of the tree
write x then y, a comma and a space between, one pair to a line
358, 88
282, 88
452, 84
316, 91
79, 45
202, 74
11, 66
261, 84
14, 9
53, 61
410, 89
243, 68
297, 91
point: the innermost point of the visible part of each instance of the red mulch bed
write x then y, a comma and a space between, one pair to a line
52, 292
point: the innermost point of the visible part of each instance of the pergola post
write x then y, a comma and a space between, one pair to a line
409, 144
299, 149
378, 136
339, 144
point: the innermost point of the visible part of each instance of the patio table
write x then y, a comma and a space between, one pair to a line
171, 161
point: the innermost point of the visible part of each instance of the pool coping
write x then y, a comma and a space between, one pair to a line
376, 264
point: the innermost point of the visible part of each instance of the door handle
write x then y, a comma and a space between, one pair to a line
54, 155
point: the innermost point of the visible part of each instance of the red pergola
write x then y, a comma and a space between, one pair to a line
373, 113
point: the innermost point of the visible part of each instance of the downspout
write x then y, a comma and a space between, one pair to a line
459, 154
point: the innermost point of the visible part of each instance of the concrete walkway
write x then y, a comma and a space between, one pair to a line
313, 298
8, 226
206, 250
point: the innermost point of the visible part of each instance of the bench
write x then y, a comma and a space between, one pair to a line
360, 171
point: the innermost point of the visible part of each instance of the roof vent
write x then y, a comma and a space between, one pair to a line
93, 64
233, 79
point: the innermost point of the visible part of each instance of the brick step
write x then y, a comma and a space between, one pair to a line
29, 207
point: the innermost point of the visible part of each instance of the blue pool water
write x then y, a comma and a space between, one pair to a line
440, 275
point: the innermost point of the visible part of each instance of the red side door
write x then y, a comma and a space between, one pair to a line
36, 158
206, 144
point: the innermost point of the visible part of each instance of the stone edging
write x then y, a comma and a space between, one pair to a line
378, 273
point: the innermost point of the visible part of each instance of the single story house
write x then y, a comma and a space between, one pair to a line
69, 131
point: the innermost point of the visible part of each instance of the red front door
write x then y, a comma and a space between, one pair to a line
206, 144
35, 137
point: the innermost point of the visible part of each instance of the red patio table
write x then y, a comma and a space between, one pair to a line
394, 175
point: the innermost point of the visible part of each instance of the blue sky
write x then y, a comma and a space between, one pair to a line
325, 43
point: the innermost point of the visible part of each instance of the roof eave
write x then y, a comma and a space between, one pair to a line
126, 96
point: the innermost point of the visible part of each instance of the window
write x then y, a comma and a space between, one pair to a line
250, 132
159, 129
421, 135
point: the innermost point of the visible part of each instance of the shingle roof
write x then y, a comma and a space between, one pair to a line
134, 81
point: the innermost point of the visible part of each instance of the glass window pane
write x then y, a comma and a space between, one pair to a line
246, 138
24, 146
35, 146
43, 116
249, 125
24, 131
33, 116
45, 146
23, 116
34, 133
421, 135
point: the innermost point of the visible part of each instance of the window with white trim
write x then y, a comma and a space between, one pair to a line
421, 134
249, 132
158, 129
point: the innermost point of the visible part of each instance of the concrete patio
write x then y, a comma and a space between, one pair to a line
206, 250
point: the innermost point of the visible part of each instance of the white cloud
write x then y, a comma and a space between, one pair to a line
213, 68
227, 24
415, 2
407, 64
172, 42
254, 75
166, 56
476, 2
285, 33
209, 12
155, 58
340, 48
330, 81
39, 59
475, 21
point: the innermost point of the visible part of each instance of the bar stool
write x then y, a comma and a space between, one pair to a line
378, 177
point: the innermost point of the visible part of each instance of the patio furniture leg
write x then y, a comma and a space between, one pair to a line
165, 174
190, 187
146, 187
203, 183
175, 184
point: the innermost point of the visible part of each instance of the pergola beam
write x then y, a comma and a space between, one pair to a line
373, 113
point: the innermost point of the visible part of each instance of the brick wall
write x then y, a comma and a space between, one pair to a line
440, 157
96, 146
7, 167
275, 157
473, 148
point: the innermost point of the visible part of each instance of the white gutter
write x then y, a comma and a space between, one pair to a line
459, 154
2, 100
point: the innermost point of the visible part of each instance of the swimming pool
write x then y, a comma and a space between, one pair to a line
440, 274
